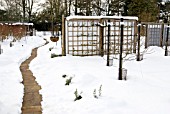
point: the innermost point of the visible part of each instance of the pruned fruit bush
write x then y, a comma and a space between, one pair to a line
68, 81
78, 96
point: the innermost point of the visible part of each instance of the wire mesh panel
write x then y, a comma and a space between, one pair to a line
154, 34
128, 36
83, 37
165, 35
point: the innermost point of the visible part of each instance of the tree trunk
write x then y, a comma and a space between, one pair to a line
75, 7
66, 8
23, 7
69, 7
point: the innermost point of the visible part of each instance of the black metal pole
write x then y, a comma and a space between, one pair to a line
138, 54
121, 49
108, 42
166, 43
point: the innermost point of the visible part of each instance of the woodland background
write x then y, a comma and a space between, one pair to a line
43, 13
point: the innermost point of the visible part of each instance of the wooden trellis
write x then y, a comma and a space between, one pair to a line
83, 37
87, 35
129, 36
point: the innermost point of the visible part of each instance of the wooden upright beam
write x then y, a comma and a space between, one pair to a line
135, 37
162, 35
146, 36
101, 39
63, 37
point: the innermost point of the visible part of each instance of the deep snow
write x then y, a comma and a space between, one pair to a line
11, 88
146, 91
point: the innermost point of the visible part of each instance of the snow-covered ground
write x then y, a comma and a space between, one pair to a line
146, 91
11, 88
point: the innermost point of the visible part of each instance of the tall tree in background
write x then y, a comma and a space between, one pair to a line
12, 10
66, 9
126, 7
145, 10
76, 5
97, 7
116, 7
83, 7
108, 7
30, 4
69, 11
23, 8
3, 12
88, 4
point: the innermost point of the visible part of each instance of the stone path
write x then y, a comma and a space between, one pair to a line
32, 99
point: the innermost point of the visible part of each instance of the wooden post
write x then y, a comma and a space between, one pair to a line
101, 49
146, 36
63, 37
162, 33
135, 37
166, 43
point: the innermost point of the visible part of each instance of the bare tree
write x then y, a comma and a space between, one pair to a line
97, 6
29, 7
70, 3
23, 8
12, 10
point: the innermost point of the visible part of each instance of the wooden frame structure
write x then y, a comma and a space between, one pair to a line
87, 35
155, 34
17, 30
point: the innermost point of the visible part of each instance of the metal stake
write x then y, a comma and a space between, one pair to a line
166, 43
138, 54
121, 49
108, 43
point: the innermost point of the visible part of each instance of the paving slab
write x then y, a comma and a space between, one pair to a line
32, 99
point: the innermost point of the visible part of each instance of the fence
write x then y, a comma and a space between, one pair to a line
17, 30
87, 35
156, 34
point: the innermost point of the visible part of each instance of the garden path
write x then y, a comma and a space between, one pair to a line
32, 99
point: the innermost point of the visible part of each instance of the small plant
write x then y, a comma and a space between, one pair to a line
1, 50
10, 44
55, 55
100, 90
51, 48
94, 94
68, 81
78, 97
14, 40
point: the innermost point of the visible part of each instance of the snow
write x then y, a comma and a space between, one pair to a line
11, 88
18, 23
146, 90
101, 17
